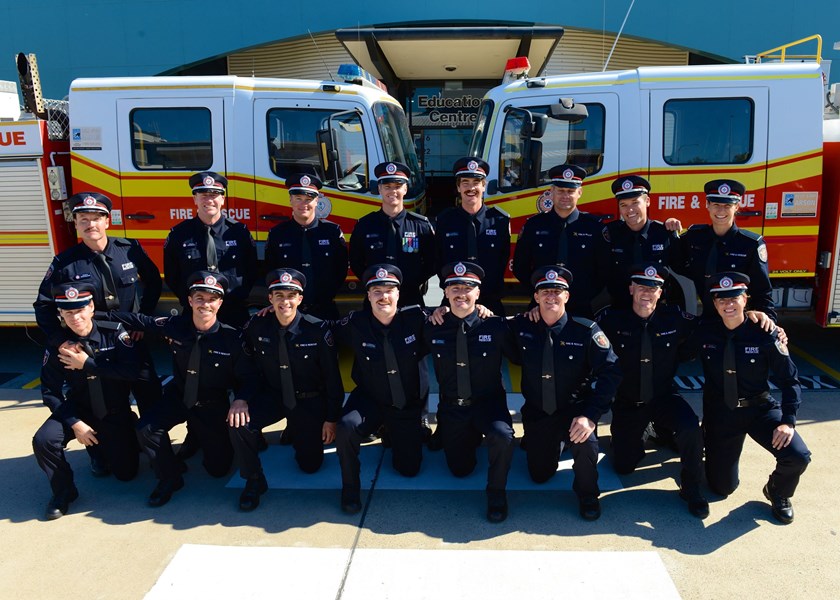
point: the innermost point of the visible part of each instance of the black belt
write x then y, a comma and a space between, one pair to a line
463, 402
307, 395
758, 400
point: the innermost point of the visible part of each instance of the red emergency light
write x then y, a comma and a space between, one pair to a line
516, 68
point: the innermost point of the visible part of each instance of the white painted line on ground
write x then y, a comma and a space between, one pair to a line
281, 472
211, 572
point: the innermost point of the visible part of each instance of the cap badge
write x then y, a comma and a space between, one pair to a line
305, 180
650, 272
726, 283
285, 278
568, 174
209, 180
210, 280
551, 275
472, 165
391, 168
89, 201
381, 274
724, 189
460, 269
627, 185
72, 293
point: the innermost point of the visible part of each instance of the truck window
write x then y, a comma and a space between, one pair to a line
706, 131
171, 139
293, 145
482, 125
581, 144
397, 142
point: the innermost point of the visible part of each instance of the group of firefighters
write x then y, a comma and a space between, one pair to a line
598, 336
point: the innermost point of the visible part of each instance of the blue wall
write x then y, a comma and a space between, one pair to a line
80, 38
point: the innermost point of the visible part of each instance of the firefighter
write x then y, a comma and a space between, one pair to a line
635, 238
391, 380
310, 245
467, 354
567, 388
395, 236
475, 232
722, 246
568, 237
300, 381
86, 384
213, 242
647, 338
208, 363
738, 356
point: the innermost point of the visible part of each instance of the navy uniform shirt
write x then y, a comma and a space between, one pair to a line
653, 244
185, 252
538, 245
583, 359
129, 265
223, 366
362, 333
414, 249
487, 341
312, 356
115, 362
492, 226
668, 327
757, 355
737, 250
327, 269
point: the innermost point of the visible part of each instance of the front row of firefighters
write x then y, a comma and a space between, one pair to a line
284, 365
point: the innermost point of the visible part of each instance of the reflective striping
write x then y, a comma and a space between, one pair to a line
24, 238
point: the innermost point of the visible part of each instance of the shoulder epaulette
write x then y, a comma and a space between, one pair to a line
585, 322
417, 215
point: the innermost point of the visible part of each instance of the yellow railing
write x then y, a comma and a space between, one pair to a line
781, 53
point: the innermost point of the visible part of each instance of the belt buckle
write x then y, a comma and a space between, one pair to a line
742, 403
461, 402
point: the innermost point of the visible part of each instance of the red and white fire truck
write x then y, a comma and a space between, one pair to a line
771, 125
138, 139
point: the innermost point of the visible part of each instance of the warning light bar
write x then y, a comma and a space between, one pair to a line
357, 75
516, 68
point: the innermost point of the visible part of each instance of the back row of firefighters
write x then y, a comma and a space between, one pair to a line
283, 363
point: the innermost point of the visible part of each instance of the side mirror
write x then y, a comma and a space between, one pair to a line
373, 188
567, 110
537, 126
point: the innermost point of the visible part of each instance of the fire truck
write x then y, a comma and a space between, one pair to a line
138, 139
771, 124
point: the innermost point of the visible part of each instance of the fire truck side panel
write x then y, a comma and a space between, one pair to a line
828, 270
31, 225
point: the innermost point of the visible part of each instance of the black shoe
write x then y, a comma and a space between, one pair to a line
782, 507
697, 504
286, 437
60, 502
99, 468
435, 441
254, 488
189, 446
496, 513
164, 490
523, 443
262, 443
351, 501
590, 508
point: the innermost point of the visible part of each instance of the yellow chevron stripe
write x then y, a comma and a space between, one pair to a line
810, 167
805, 230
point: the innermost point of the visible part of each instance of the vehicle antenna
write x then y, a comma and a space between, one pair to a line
321, 55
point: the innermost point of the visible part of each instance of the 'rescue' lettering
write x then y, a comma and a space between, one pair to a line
12, 138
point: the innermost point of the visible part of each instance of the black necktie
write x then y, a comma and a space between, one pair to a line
472, 239
549, 392
393, 371
712, 259
638, 240
562, 244
646, 363
462, 363
97, 397
730, 376
306, 258
100, 262
286, 382
212, 257
391, 242
193, 364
